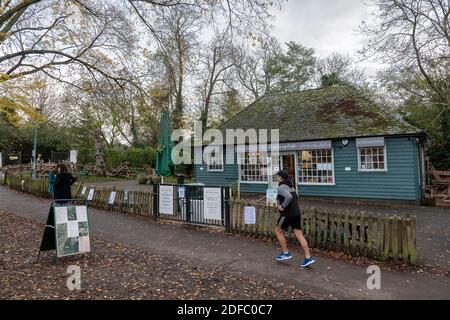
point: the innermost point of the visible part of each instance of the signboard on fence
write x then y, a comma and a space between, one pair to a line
67, 230
112, 197
166, 199
181, 192
271, 196
73, 155
250, 215
91, 195
212, 203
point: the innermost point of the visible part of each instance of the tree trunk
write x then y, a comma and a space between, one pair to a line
100, 168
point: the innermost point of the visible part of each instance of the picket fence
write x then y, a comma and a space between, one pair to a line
352, 232
356, 233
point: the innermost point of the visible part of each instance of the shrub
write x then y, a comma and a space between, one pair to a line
136, 157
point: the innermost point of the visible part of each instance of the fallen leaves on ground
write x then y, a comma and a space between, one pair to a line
115, 271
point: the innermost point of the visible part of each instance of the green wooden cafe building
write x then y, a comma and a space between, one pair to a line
334, 143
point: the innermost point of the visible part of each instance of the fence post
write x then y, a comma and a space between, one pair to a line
227, 210
404, 241
413, 254
188, 201
155, 202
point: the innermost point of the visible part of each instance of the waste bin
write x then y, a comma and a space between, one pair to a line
180, 179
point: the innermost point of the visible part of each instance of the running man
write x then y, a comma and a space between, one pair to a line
287, 200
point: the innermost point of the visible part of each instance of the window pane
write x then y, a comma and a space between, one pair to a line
316, 166
372, 158
254, 167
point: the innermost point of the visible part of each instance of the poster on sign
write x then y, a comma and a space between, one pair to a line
73, 155
250, 215
212, 203
181, 192
91, 195
112, 197
66, 230
166, 199
271, 196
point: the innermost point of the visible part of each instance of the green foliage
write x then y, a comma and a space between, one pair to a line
231, 105
9, 136
290, 71
436, 124
136, 157
331, 80
185, 169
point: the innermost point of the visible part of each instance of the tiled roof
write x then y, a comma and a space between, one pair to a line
325, 113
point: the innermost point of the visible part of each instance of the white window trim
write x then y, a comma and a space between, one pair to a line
216, 170
315, 183
373, 170
251, 182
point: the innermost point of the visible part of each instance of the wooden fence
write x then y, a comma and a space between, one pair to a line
38, 187
138, 203
355, 233
131, 202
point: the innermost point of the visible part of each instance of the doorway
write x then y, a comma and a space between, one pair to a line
288, 164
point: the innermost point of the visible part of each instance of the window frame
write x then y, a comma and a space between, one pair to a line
269, 163
299, 173
208, 164
373, 170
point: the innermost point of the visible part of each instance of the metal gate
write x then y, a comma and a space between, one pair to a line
186, 203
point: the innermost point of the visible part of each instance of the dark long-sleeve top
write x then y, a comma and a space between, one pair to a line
62, 185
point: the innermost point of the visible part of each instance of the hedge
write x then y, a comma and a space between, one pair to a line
136, 157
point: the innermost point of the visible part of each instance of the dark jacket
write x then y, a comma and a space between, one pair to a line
62, 185
288, 199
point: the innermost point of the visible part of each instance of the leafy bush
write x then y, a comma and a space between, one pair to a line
136, 157
185, 169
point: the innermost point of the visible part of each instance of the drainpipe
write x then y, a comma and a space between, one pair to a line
421, 142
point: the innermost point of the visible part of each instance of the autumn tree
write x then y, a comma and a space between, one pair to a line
217, 61
338, 69
252, 66
412, 37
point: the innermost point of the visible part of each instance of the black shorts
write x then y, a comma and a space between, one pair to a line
284, 223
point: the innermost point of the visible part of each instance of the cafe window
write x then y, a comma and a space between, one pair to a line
371, 154
254, 167
316, 167
215, 160
372, 159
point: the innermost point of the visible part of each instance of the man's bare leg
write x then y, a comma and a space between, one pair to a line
303, 242
281, 239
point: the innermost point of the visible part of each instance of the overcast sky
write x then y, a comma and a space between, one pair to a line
326, 25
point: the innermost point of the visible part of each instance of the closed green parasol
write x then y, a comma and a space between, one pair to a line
164, 164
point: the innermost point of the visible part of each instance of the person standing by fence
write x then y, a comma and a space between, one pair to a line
64, 180
51, 177
289, 217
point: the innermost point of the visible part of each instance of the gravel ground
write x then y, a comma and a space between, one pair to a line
115, 271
